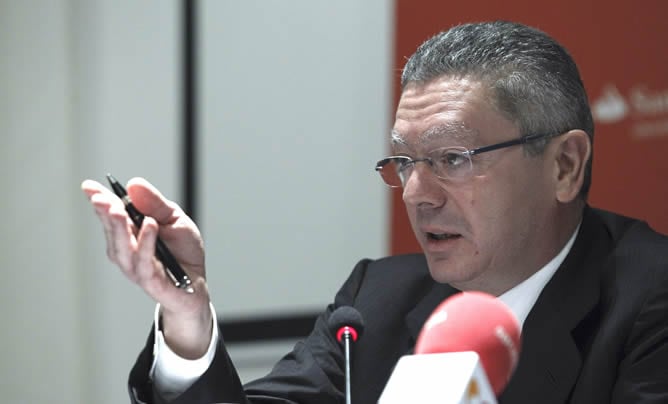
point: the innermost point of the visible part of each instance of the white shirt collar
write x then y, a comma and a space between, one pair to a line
522, 297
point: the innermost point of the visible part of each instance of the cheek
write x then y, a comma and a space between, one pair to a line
411, 212
505, 205
490, 207
484, 199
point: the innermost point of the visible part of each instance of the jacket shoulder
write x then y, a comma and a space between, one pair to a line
391, 284
634, 242
636, 265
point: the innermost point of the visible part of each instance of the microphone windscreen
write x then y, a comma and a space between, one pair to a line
346, 316
479, 322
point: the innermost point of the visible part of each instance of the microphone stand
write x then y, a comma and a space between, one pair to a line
346, 347
347, 325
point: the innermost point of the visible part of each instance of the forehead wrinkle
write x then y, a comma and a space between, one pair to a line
455, 132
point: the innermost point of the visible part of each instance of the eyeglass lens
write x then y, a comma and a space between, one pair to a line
449, 163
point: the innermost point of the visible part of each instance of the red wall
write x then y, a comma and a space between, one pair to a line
621, 50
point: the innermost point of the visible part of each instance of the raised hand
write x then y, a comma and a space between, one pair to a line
186, 317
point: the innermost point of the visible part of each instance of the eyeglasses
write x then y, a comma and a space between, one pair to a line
447, 163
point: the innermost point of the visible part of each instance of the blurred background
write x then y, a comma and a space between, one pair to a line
264, 120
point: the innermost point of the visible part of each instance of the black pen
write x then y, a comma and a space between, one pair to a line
171, 265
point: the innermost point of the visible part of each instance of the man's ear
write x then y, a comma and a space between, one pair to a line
571, 153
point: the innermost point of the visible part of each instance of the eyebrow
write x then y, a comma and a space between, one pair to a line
457, 132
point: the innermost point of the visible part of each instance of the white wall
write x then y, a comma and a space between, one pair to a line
295, 113
92, 86
295, 102
87, 87
40, 307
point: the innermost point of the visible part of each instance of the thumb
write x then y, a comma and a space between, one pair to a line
149, 201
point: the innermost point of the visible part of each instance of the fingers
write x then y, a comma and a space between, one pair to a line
91, 187
133, 250
121, 240
111, 213
148, 271
124, 248
176, 228
152, 203
145, 197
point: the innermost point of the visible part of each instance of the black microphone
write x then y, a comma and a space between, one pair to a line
347, 324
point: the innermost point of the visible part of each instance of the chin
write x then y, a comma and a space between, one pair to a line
445, 272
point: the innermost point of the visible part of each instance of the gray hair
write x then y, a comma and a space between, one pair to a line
533, 80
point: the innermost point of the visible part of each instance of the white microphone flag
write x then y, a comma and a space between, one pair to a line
443, 378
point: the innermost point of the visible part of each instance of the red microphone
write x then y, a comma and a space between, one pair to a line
479, 322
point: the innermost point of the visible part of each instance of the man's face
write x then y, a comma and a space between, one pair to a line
486, 232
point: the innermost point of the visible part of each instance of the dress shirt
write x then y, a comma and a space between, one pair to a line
523, 296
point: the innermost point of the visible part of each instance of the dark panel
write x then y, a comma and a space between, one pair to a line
189, 106
267, 328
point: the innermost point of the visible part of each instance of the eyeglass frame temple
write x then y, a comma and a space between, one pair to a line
513, 142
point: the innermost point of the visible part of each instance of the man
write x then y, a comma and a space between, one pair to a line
492, 145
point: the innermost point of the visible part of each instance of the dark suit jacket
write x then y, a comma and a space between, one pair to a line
598, 332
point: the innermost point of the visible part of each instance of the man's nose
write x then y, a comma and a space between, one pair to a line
423, 187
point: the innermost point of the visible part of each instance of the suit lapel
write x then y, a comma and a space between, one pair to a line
416, 318
550, 360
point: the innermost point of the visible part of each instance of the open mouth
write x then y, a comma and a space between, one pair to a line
442, 236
